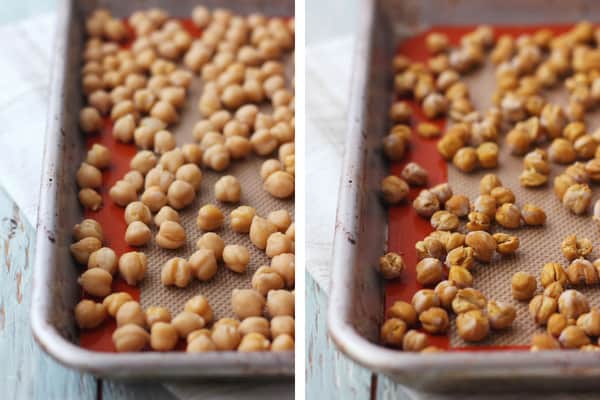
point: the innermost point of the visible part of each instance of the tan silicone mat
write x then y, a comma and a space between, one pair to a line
538, 245
218, 289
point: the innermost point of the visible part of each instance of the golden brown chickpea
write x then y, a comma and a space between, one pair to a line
483, 245
425, 299
414, 174
508, 216
430, 271
500, 315
506, 244
572, 247
582, 272
400, 112
392, 332
414, 341
544, 341
572, 304
487, 155
177, 271
426, 203
556, 324
104, 258
573, 337
523, 286
394, 147
472, 326
458, 205
391, 265
561, 151
89, 314
465, 159
577, 198
533, 215
129, 338
541, 308
460, 256
434, 320
468, 299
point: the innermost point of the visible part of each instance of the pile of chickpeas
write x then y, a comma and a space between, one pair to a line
525, 66
143, 89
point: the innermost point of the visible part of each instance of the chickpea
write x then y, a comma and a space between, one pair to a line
255, 325
458, 205
414, 174
425, 299
155, 314
392, 332
572, 247
468, 299
394, 190
556, 324
199, 305
88, 176
434, 105
283, 343
544, 341
90, 120
180, 194
394, 147
89, 314
533, 215
209, 218
573, 337
164, 111
400, 112
104, 258
88, 228
430, 271
123, 193
572, 304
130, 313
98, 156
137, 234
444, 221
114, 301
137, 212
487, 154
247, 303
460, 277
82, 249
163, 336
500, 315
430, 247
461, 256
280, 302
434, 320
577, 198
129, 338
472, 326
508, 216
236, 257
217, 157
176, 271
414, 341
102, 102
465, 159
483, 245
523, 286
542, 308
426, 203
582, 272
506, 244
91, 199
226, 337
186, 322
561, 151
280, 184
391, 265
228, 189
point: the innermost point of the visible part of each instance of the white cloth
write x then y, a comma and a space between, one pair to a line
328, 73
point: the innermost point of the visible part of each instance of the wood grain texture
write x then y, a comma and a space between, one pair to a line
329, 374
25, 371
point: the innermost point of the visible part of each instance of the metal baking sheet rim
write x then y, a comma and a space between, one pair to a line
423, 371
176, 365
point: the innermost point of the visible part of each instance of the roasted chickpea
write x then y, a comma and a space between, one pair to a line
500, 315
458, 205
430, 271
391, 265
572, 304
434, 320
472, 326
483, 245
426, 203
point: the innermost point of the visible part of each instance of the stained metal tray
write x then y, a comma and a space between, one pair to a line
55, 288
356, 304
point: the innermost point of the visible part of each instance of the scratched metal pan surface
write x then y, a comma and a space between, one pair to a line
357, 293
55, 288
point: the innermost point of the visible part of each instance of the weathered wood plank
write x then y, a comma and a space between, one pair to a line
25, 371
329, 374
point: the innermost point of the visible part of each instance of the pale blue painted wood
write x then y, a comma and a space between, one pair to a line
25, 371
329, 374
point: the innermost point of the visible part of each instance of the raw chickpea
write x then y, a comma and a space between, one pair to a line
468, 299
434, 320
130, 313
284, 265
430, 271
260, 230
154, 198
241, 218
177, 271
137, 211
483, 245
132, 267
268, 167
283, 343
203, 264
90, 120
236, 257
123, 193
199, 305
414, 341
280, 302
191, 174
88, 228
458, 205
506, 244
426, 203
211, 241
136, 179
114, 301
263, 142
280, 184
414, 174
209, 218
163, 336
472, 326
226, 337
88, 176
143, 100
98, 156
82, 249
89, 314
96, 281
164, 141
137, 234
180, 194
166, 213
282, 325
573, 337
154, 314
544, 341
186, 322
217, 157
91, 199
228, 189
102, 102
577, 198
124, 127
465, 159
104, 258
523, 286
239, 147
254, 341
425, 299
391, 265
278, 243
572, 247
247, 303
394, 190
160, 178
582, 272
164, 111
572, 304
172, 160
192, 154
129, 338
